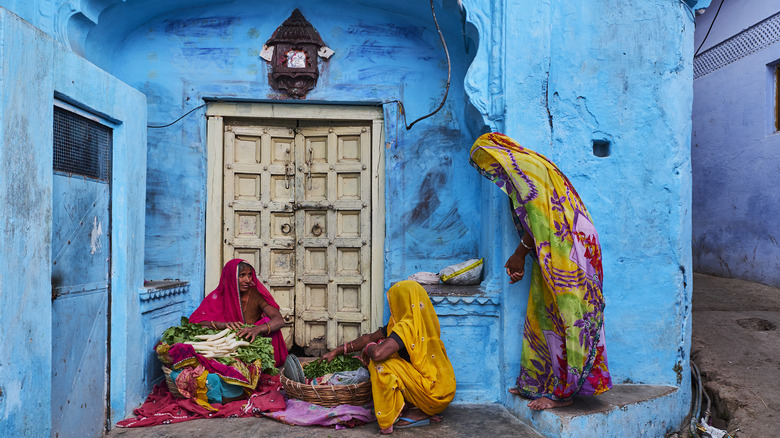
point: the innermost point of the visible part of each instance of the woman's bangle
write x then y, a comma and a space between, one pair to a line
530, 248
345, 349
212, 325
269, 327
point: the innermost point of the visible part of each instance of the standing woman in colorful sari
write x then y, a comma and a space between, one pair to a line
563, 351
412, 378
240, 299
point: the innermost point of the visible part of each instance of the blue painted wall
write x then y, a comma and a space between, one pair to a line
735, 144
553, 75
34, 69
179, 56
25, 202
580, 72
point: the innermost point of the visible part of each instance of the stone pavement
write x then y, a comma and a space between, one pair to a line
459, 421
736, 346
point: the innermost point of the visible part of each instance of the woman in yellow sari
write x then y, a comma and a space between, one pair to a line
412, 378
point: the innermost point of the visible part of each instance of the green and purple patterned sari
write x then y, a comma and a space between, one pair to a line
564, 351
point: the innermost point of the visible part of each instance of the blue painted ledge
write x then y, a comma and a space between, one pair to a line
158, 294
162, 304
469, 316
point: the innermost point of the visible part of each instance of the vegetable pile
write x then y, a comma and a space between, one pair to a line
221, 346
320, 367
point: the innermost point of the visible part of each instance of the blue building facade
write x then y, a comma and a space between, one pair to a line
602, 90
735, 126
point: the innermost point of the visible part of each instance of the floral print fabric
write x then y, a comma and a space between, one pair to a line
564, 350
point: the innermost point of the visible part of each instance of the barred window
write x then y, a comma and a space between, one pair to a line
81, 146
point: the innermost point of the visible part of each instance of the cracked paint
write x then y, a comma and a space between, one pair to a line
95, 237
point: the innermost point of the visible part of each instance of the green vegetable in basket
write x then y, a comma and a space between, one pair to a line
320, 367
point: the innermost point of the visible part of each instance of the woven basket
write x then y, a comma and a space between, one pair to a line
328, 395
171, 384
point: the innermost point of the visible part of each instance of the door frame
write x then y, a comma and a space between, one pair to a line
216, 112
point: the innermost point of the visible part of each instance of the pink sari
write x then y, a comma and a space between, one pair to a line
223, 304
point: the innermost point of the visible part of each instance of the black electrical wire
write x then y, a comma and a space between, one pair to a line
710, 28
449, 76
185, 115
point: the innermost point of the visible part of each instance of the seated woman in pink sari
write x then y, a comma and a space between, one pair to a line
241, 299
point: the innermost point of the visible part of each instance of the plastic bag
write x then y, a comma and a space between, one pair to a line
425, 277
465, 273
350, 377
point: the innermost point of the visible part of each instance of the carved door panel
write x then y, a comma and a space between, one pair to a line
297, 206
333, 246
258, 216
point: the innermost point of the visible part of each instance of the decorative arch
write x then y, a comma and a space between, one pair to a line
484, 81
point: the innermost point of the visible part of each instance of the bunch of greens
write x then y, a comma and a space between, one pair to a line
320, 367
184, 332
261, 348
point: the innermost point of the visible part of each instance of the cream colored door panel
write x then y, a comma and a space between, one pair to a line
297, 205
258, 218
332, 220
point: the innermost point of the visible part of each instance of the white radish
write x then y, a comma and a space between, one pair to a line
219, 335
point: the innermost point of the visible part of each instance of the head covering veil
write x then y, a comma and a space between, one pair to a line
427, 380
223, 304
414, 320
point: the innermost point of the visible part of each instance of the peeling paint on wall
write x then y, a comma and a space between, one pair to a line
96, 237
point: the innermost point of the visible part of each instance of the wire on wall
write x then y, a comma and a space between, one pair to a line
185, 115
449, 76
710, 28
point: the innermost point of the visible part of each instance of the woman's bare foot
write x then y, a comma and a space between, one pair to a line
514, 391
546, 403
387, 431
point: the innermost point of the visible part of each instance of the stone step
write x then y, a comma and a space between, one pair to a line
625, 410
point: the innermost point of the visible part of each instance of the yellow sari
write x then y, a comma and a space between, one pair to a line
428, 381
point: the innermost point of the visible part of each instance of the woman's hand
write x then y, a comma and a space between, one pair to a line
365, 359
515, 267
329, 356
235, 325
250, 333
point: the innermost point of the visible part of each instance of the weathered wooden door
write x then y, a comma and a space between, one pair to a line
297, 205
80, 275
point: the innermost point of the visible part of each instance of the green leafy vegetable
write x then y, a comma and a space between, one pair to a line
184, 332
261, 348
320, 367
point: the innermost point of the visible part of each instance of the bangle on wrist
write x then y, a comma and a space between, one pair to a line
529, 248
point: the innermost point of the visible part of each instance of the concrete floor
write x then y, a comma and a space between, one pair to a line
459, 421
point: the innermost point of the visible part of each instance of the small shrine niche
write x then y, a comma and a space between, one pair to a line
293, 52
